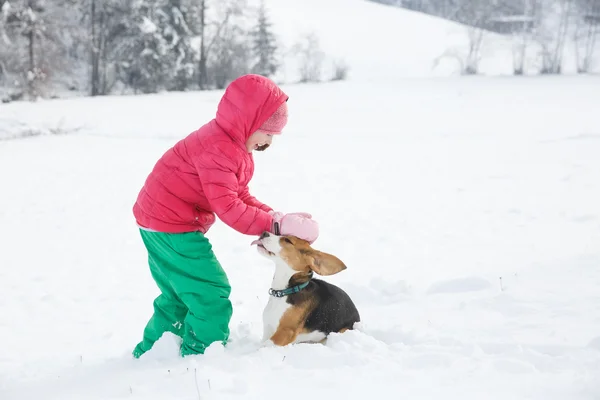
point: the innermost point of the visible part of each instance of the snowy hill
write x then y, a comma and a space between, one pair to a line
379, 42
383, 43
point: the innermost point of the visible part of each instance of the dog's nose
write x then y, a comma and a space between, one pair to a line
265, 235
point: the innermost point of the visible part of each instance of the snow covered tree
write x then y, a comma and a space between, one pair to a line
221, 40
5, 41
146, 46
214, 21
173, 17
230, 56
142, 56
110, 29
264, 48
155, 51
26, 27
38, 44
310, 58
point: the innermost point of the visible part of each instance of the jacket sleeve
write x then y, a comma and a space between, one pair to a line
217, 174
253, 201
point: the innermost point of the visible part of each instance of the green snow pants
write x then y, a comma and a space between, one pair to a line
194, 301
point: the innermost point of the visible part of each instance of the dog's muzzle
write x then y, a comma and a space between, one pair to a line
259, 240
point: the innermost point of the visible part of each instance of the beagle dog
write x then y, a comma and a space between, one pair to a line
303, 309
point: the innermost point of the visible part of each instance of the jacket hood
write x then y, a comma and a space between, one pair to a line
246, 104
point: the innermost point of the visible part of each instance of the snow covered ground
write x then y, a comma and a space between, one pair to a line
430, 190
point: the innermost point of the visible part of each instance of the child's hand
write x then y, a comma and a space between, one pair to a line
300, 225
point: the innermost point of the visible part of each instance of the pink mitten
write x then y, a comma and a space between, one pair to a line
297, 224
302, 214
277, 214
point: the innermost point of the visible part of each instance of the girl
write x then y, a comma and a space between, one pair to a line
203, 175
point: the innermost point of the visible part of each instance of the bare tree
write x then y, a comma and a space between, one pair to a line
475, 35
563, 29
216, 32
587, 28
310, 58
230, 56
478, 14
202, 76
94, 51
522, 34
521, 41
552, 27
340, 70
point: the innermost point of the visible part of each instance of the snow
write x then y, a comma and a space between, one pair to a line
383, 43
148, 26
513, 18
430, 190
466, 210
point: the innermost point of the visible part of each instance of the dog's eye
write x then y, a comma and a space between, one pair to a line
287, 240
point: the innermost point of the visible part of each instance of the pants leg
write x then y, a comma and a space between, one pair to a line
169, 310
200, 285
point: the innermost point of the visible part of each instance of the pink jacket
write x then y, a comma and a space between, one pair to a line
208, 172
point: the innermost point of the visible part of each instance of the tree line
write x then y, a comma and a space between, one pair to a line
544, 27
102, 47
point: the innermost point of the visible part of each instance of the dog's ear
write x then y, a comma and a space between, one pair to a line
325, 264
